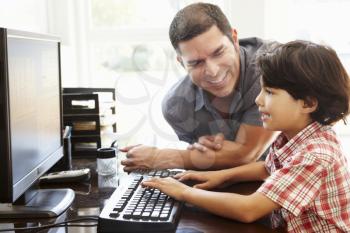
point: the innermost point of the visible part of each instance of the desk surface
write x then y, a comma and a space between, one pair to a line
91, 197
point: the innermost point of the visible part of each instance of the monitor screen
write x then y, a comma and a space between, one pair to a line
30, 97
34, 103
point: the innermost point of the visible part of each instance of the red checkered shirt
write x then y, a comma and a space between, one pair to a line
310, 180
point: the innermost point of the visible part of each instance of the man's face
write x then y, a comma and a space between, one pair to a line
212, 61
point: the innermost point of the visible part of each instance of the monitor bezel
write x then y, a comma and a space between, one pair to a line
10, 192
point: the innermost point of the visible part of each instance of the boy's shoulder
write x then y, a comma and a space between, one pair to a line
322, 147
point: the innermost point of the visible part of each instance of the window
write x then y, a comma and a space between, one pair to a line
129, 49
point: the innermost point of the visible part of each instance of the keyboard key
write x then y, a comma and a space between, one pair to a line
114, 215
139, 207
163, 216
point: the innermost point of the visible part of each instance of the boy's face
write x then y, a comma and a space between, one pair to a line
212, 61
281, 112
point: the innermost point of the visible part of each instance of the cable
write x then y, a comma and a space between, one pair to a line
68, 225
60, 224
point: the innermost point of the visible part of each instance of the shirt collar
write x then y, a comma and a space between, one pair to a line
242, 68
283, 149
199, 99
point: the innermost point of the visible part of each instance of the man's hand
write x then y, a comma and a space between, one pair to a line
139, 157
212, 142
208, 180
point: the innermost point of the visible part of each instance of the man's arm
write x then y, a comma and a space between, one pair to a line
251, 142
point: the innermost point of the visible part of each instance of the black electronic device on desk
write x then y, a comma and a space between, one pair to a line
133, 208
68, 176
30, 124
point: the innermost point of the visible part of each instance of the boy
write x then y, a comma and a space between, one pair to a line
305, 90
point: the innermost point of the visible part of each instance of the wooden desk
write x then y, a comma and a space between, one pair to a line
91, 197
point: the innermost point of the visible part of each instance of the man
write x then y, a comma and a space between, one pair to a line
214, 101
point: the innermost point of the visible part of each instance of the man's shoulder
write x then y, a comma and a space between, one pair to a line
249, 82
251, 44
254, 46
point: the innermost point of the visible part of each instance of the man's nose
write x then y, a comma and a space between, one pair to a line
211, 68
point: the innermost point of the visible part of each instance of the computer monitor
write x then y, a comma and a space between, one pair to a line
30, 124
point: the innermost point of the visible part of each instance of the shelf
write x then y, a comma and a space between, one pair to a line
89, 111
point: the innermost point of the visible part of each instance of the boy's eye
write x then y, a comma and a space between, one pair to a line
268, 91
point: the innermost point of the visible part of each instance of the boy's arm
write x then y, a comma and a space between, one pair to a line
249, 172
251, 142
213, 179
245, 208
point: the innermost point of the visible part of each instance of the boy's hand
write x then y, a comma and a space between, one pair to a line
206, 180
168, 185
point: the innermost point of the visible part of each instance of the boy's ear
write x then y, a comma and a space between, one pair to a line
310, 104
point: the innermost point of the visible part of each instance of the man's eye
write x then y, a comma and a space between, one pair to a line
219, 53
194, 64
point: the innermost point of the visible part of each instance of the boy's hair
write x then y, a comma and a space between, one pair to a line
196, 19
309, 71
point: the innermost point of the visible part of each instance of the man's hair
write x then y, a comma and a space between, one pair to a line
196, 19
309, 71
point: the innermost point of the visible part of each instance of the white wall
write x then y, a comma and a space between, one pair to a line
62, 21
27, 15
48, 16
247, 16
269, 19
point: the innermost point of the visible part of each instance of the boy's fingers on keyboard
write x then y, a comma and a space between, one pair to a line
147, 184
189, 176
202, 186
179, 175
182, 174
151, 183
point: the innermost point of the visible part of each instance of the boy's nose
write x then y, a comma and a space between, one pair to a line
258, 99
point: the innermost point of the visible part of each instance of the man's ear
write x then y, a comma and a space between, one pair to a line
179, 59
310, 104
235, 38
234, 35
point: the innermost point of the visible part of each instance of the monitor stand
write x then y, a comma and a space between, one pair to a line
45, 203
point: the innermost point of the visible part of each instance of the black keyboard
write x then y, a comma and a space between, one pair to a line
133, 208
